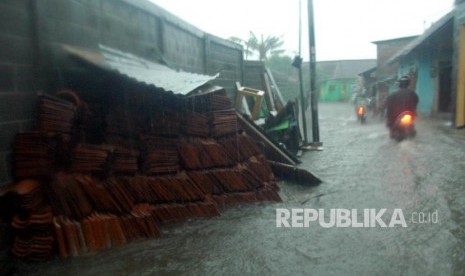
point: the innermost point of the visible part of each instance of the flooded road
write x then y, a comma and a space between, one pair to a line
361, 169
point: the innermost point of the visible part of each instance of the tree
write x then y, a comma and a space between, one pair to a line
265, 46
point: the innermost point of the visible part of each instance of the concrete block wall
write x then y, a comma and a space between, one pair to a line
386, 49
17, 93
254, 71
31, 57
226, 58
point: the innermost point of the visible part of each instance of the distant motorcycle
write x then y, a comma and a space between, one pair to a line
361, 116
404, 127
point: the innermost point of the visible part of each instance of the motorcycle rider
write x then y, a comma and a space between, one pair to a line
404, 99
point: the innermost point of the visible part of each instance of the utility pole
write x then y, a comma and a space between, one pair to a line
315, 144
298, 64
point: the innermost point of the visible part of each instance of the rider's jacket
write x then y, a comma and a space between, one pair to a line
402, 100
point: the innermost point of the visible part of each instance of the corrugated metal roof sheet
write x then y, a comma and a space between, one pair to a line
142, 70
419, 40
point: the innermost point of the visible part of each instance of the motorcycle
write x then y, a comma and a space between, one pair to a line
403, 128
361, 113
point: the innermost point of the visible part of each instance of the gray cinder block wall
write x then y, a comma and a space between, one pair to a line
32, 34
17, 85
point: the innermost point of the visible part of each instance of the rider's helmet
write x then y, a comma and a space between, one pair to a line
404, 81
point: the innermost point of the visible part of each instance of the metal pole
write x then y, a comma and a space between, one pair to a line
316, 144
303, 106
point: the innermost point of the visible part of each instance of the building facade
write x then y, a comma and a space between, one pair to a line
337, 80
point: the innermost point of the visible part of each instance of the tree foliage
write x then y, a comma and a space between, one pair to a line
262, 46
265, 46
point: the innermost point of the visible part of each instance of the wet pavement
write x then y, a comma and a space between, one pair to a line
361, 169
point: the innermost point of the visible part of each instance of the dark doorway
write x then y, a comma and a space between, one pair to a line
445, 87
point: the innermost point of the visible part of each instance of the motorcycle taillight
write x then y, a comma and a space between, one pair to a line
406, 120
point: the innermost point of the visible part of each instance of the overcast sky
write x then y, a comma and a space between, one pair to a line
345, 29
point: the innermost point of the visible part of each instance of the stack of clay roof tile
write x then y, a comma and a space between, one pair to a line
219, 181
69, 236
31, 223
159, 155
172, 189
218, 107
119, 190
35, 153
31, 197
166, 123
127, 191
268, 194
55, 115
101, 231
239, 147
198, 103
90, 158
96, 215
140, 227
100, 198
124, 160
232, 180
33, 235
122, 122
78, 195
259, 165
170, 212
196, 125
120, 141
240, 184
219, 102
224, 122
249, 177
209, 102
206, 182
92, 214
67, 197
91, 123
248, 147
27, 196
203, 154
146, 224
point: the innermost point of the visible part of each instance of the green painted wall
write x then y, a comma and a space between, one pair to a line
336, 90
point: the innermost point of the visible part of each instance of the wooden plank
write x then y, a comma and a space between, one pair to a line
272, 150
249, 92
279, 100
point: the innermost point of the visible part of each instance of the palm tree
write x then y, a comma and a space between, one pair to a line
265, 46
270, 45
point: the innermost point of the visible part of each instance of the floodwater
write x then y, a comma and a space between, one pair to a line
361, 169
